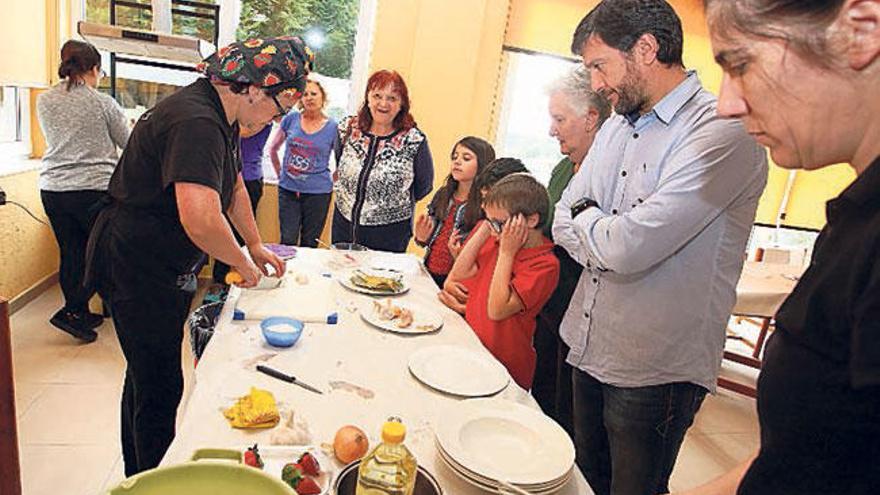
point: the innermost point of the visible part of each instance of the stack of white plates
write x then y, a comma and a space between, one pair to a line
492, 444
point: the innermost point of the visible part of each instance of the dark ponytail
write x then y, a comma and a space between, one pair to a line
77, 58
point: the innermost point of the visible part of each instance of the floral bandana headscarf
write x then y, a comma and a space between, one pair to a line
277, 65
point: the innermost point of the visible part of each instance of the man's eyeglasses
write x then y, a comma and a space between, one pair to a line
496, 225
281, 111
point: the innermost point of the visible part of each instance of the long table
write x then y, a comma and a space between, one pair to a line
333, 357
763, 287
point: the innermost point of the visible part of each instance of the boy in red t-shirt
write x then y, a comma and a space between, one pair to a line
505, 273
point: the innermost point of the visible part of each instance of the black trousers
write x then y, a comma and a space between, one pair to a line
302, 217
72, 214
150, 289
255, 192
393, 237
150, 332
552, 387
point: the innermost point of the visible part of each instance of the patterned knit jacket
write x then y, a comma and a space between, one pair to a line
376, 174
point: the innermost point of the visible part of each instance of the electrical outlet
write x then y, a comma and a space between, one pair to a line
2, 197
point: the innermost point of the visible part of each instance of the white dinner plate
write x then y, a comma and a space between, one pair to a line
493, 437
495, 487
458, 371
345, 280
425, 320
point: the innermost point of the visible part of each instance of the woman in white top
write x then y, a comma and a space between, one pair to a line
83, 129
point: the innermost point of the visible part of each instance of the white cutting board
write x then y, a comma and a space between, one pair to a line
311, 301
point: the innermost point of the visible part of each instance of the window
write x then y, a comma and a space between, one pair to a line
328, 27
139, 86
14, 122
799, 242
524, 123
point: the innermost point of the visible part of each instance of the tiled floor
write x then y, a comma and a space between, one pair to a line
67, 399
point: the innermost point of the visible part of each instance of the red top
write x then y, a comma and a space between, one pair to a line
440, 259
534, 278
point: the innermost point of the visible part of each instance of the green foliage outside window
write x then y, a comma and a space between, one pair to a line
335, 19
99, 11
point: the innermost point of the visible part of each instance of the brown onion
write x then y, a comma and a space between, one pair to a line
350, 444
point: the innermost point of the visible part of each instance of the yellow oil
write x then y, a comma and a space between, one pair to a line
390, 469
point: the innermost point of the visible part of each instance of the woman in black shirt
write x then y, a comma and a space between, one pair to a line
177, 177
803, 76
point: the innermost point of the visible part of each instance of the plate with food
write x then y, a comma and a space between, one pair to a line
401, 318
375, 282
302, 468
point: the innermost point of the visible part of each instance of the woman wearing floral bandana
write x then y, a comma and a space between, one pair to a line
177, 177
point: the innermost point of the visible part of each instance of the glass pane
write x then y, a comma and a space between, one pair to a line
99, 11
798, 242
327, 26
524, 126
140, 87
194, 23
14, 123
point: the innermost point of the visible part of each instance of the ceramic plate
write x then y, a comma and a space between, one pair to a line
459, 371
276, 456
424, 320
492, 438
346, 282
488, 483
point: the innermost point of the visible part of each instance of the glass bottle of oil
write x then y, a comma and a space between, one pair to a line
390, 469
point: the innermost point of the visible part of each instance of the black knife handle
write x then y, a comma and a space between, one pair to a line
274, 373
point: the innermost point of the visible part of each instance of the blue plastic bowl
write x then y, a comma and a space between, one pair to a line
284, 338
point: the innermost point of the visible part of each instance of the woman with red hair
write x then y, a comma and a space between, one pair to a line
384, 166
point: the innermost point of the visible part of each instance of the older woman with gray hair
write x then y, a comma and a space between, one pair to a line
576, 114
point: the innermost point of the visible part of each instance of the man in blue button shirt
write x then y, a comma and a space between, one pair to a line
659, 216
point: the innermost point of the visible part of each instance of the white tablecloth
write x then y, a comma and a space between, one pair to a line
351, 352
763, 287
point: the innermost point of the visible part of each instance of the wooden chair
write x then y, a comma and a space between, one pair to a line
10, 475
764, 255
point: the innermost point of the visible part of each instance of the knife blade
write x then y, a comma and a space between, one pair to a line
286, 378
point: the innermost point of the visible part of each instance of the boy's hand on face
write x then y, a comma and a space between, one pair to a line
513, 235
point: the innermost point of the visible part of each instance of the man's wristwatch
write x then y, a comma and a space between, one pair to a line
582, 204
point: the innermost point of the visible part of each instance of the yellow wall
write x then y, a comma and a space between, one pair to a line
28, 252
23, 44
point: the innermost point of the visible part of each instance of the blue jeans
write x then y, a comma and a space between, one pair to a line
627, 439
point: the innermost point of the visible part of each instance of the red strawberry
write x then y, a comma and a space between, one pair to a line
307, 486
252, 457
291, 474
309, 464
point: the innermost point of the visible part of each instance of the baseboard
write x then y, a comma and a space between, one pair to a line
32, 292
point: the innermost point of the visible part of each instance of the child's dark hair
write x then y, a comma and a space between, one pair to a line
473, 209
497, 170
77, 59
520, 193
